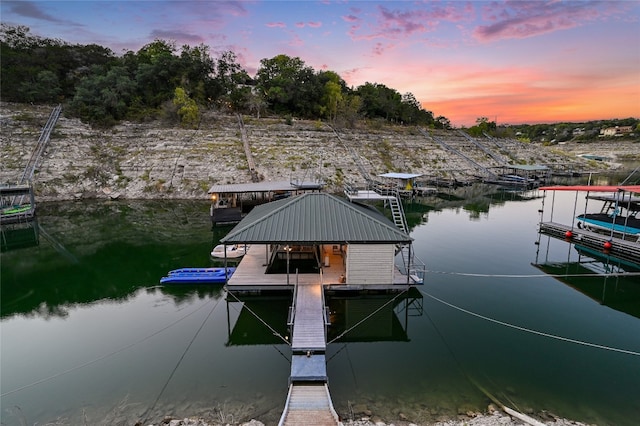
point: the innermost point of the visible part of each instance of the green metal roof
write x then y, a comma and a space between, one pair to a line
315, 218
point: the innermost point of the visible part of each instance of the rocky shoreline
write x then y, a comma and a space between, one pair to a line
493, 417
154, 161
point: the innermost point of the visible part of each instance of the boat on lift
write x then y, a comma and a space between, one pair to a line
233, 251
618, 215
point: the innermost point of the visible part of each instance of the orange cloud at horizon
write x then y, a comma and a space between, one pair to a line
518, 95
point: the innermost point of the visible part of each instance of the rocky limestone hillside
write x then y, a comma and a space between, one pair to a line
154, 161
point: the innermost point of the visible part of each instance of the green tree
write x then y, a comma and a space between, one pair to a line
188, 110
45, 88
289, 86
103, 98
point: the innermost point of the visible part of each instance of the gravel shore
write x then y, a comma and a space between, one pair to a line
494, 417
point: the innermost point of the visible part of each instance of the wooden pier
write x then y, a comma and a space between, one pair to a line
309, 404
309, 320
621, 249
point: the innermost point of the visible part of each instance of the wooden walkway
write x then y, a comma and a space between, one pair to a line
622, 249
309, 401
309, 320
309, 405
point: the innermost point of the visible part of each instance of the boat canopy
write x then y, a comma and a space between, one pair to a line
593, 188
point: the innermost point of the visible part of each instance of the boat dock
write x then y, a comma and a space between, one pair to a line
250, 277
304, 245
308, 400
622, 249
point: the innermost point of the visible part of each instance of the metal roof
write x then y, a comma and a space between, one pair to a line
395, 175
593, 188
527, 167
315, 218
265, 186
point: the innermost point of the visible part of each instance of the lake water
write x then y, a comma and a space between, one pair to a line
88, 336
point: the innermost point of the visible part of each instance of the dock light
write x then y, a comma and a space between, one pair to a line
607, 245
568, 235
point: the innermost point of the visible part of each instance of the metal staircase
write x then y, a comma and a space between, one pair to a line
480, 146
42, 144
30, 168
488, 173
397, 213
357, 160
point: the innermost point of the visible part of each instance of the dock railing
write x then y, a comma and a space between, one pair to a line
292, 308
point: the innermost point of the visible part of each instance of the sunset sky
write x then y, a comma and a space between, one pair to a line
513, 62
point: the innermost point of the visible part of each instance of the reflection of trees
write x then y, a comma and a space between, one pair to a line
118, 248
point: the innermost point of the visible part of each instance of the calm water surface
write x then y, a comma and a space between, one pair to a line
88, 336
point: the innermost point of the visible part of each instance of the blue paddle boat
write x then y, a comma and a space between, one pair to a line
198, 276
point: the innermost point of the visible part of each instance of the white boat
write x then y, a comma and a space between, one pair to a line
230, 251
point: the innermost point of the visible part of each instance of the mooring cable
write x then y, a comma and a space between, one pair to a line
472, 274
184, 353
93, 361
369, 316
528, 330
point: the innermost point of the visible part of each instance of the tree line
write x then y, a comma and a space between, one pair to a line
162, 80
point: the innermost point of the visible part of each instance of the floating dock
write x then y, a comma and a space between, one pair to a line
622, 249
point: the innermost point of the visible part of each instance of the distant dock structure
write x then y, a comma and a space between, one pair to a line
231, 202
17, 203
613, 234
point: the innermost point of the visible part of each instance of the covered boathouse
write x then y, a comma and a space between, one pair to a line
231, 202
304, 244
319, 238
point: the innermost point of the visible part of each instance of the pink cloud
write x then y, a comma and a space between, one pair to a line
378, 49
315, 24
295, 41
29, 9
521, 19
350, 18
276, 25
396, 23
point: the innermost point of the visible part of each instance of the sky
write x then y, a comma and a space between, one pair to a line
513, 62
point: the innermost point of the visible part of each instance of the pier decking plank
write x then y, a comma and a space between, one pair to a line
626, 250
309, 404
308, 324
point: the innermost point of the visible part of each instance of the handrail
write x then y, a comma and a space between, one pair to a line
292, 313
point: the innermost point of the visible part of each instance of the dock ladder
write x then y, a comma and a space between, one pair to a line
414, 267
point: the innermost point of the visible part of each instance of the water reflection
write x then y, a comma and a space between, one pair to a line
20, 235
609, 281
59, 314
372, 318
99, 250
